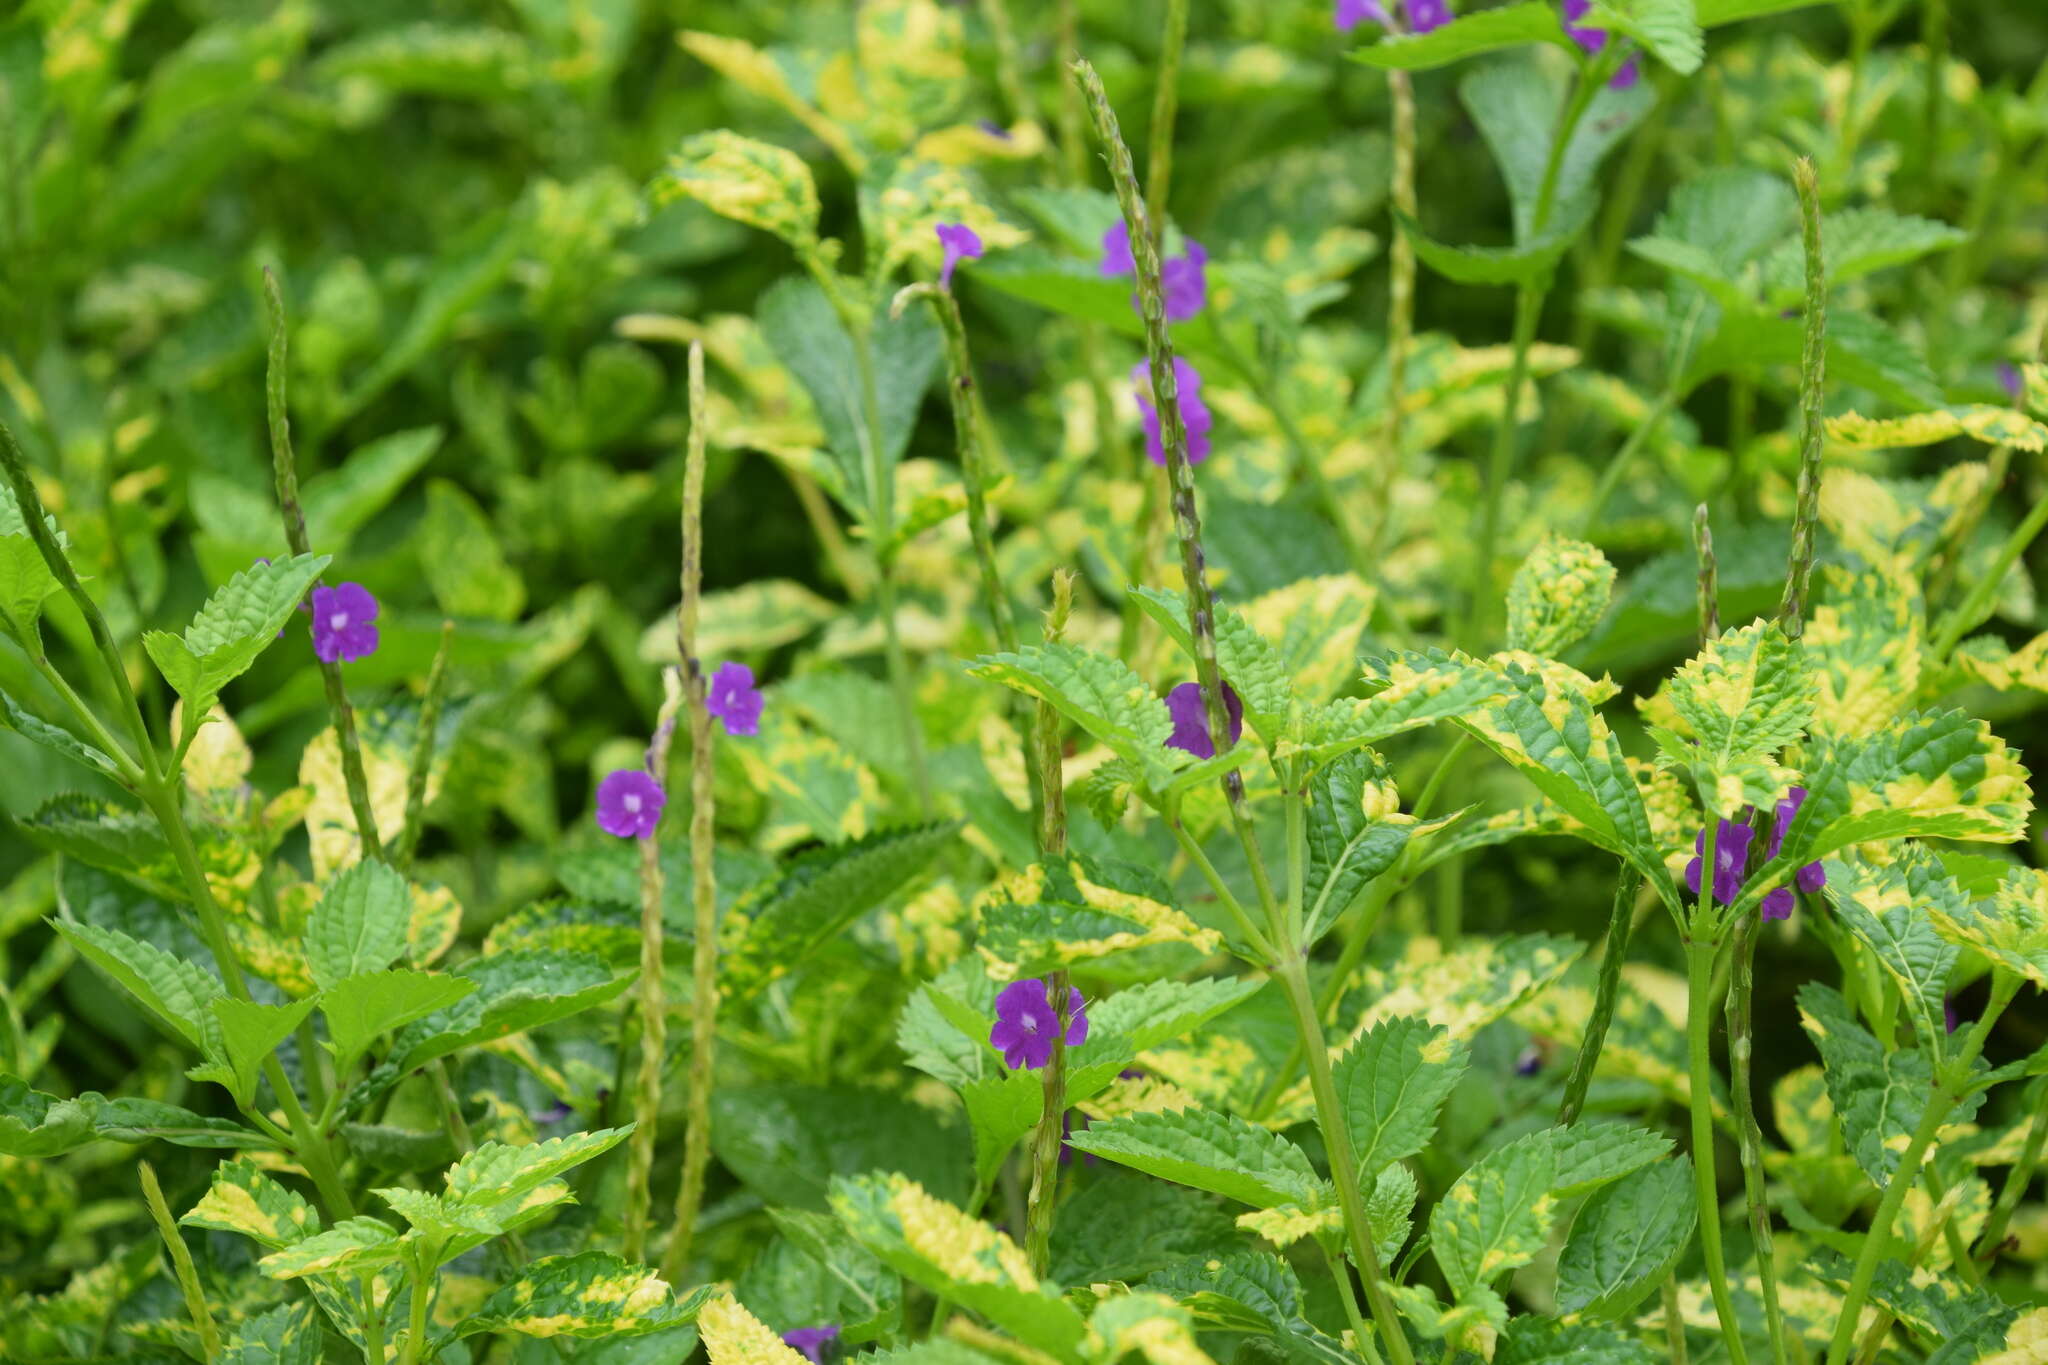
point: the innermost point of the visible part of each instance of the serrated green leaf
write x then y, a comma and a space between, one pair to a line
1348, 846
1589, 1155
1001, 1109
1558, 595
496, 1172
1211, 1151
1894, 908
1626, 1239
98, 834
134, 1119
1466, 36
1878, 1095
249, 1033
360, 923
1392, 1081
244, 1199
816, 898
593, 1294
1518, 104
744, 179
1497, 265
1249, 665
1743, 698
1497, 1216
54, 738
238, 622
465, 567
368, 1005
353, 1246
1856, 242
2011, 928
1052, 915
176, 993
1099, 693
1534, 1340
515, 992
1143, 1016
286, 1335
25, 578
947, 1252
33, 1124
1668, 28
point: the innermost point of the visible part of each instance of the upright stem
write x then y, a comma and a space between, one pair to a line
1977, 601
422, 1297
1048, 767
653, 999
423, 753
1941, 1099
1009, 78
1740, 1047
1699, 1029
1400, 260
1361, 1331
2018, 1178
181, 1263
1165, 104
1709, 576
1610, 477
1293, 974
286, 468
1528, 308
1934, 37
1674, 1321
450, 1105
703, 883
1812, 375
1619, 924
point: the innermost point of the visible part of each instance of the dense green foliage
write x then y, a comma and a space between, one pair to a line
1553, 459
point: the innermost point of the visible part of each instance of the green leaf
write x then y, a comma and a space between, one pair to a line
368, 1005
1517, 265
807, 336
1589, 1155
1097, 692
54, 738
33, 1124
1558, 595
1531, 21
1518, 104
2011, 928
1143, 1016
1250, 1291
515, 992
1497, 1216
1626, 1239
1211, 1151
238, 622
1744, 697
1001, 1109
353, 1246
176, 993
589, 1295
1534, 1340
244, 1199
749, 181
249, 1034
1714, 13
132, 1119
342, 500
817, 898
465, 567
1053, 915
25, 579
497, 1172
101, 835
1668, 28
1896, 909
1878, 1094
286, 1335
1392, 1082
1857, 242
1347, 848
785, 1142
359, 925
961, 1258
839, 1280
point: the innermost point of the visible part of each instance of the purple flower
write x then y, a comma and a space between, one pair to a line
1194, 414
1351, 13
961, 244
1116, 252
554, 1113
629, 803
812, 1341
2009, 380
1425, 15
1530, 1062
1184, 281
344, 623
1594, 39
735, 700
1948, 1013
1191, 719
1025, 1024
1731, 860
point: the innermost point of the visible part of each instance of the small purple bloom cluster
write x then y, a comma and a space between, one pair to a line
1191, 719
1194, 413
1422, 15
630, 800
960, 243
1731, 859
1183, 279
813, 1342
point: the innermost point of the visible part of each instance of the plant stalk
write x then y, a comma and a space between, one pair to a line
1977, 602
1400, 262
1165, 106
1048, 767
1626, 886
1812, 377
181, 1263
703, 881
653, 998
423, 753
2017, 1179
1700, 959
1709, 576
1741, 1045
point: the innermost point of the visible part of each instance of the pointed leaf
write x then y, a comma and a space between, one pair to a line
365, 1007
1211, 1151
246, 1200
1626, 1239
1392, 1082
360, 923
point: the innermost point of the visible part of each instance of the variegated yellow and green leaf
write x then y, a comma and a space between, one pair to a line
1862, 648
1314, 624
1211, 1151
919, 197
1746, 696
352, 1246
1895, 909
1980, 422
749, 181
1558, 595
1247, 662
733, 1336
1054, 915
244, 1199
759, 73
593, 1294
1151, 1325
1097, 692
2011, 928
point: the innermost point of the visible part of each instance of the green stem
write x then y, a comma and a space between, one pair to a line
1400, 264
1674, 1321
2018, 1178
703, 883
653, 1003
450, 1106
1049, 769
1976, 603
1627, 884
1250, 931
1708, 590
181, 1263
1009, 79
1699, 1026
1610, 477
423, 753
1165, 105
1934, 37
129, 772
1361, 1332
1741, 1044
422, 1297
1950, 1080
373, 1321
1528, 309
1948, 551
1293, 974
1812, 377
286, 469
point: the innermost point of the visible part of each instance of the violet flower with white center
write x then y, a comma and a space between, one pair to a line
1731, 860
344, 623
629, 803
960, 243
1025, 1024
812, 1341
734, 699
1191, 719
1194, 414
1351, 13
